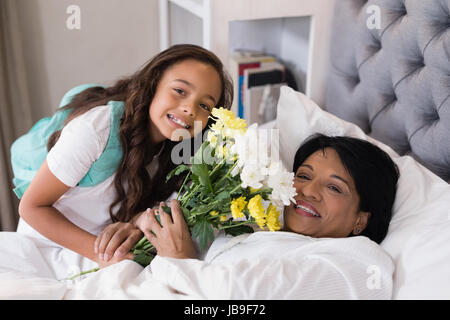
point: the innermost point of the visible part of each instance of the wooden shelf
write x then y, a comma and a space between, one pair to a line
212, 31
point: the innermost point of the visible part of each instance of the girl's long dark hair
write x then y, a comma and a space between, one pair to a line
137, 92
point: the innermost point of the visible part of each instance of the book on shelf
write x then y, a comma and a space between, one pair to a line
261, 103
239, 62
270, 73
261, 91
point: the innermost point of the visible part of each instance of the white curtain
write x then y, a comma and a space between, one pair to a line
15, 108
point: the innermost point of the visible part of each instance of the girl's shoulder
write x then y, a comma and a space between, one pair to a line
99, 118
90, 129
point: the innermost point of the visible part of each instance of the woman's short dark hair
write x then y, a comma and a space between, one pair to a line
373, 171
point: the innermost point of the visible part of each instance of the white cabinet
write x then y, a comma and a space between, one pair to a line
296, 31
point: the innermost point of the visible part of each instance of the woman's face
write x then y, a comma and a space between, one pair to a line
327, 200
186, 93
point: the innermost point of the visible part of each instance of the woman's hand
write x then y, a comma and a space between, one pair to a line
171, 238
115, 242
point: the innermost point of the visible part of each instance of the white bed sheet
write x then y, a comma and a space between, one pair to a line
263, 265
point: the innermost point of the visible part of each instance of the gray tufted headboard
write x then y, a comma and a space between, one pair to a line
394, 81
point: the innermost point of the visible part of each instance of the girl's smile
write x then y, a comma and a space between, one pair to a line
178, 121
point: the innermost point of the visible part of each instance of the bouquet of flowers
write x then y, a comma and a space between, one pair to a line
231, 185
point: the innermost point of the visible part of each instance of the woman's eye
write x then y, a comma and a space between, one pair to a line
335, 189
302, 177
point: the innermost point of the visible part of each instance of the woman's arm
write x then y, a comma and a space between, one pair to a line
36, 208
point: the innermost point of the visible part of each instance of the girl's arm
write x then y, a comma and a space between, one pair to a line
36, 208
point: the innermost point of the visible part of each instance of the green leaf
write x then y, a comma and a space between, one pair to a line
141, 244
178, 170
143, 259
201, 171
201, 152
167, 210
222, 195
203, 208
186, 212
235, 231
195, 179
204, 232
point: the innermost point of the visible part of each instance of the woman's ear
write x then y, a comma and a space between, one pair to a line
361, 222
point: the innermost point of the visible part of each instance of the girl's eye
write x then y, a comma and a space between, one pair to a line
204, 106
179, 91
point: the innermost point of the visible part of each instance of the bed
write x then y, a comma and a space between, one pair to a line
389, 84
392, 78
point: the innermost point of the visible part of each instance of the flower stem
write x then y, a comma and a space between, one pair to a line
217, 167
228, 173
84, 272
184, 182
189, 195
237, 187
235, 225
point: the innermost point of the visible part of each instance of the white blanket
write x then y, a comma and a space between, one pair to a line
263, 265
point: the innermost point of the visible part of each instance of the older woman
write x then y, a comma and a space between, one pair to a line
328, 248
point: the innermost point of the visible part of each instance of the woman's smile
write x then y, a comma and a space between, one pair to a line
327, 202
305, 209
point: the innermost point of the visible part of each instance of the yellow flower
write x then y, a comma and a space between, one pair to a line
223, 218
222, 114
237, 206
217, 128
227, 124
256, 209
236, 124
222, 151
273, 223
214, 213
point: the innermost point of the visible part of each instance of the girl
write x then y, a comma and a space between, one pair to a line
173, 90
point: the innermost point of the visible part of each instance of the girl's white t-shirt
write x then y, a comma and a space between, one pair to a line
82, 141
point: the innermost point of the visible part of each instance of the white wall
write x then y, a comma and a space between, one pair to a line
115, 38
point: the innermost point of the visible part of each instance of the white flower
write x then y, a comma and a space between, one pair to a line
240, 148
212, 138
282, 184
251, 147
252, 176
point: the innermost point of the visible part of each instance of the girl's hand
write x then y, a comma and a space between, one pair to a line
115, 241
103, 264
171, 238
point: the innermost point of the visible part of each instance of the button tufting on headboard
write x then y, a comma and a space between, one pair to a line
394, 81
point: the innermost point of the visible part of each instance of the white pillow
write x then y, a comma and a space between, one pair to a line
418, 238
